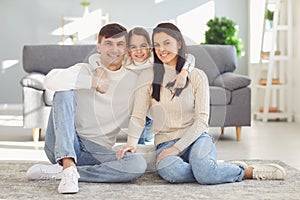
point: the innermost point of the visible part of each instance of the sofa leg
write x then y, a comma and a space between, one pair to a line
36, 134
238, 130
222, 130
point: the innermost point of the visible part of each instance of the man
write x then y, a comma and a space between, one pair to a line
86, 116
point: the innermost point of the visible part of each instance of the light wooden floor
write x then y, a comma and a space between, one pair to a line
271, 141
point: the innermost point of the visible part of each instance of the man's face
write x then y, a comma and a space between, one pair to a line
112, 52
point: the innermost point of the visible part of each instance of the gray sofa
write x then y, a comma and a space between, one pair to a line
230, 94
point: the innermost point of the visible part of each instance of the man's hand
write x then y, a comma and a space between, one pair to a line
121, 152
100, 81
172, 151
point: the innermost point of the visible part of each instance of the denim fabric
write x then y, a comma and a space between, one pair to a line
95, 163
197, 163
147, 134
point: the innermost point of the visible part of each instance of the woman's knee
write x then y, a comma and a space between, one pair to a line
168, 169
202, 148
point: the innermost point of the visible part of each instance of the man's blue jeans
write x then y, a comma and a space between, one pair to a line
95, 163
197, 163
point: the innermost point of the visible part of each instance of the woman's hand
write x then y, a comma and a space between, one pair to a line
121, 152
172, 151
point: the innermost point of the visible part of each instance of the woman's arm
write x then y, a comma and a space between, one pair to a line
199, 82
142, 98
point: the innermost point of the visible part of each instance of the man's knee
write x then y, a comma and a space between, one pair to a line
137, 163
62, 96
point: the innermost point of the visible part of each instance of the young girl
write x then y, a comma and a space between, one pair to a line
141, 57
185, 151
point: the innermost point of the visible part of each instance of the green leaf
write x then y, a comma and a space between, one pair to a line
224, 31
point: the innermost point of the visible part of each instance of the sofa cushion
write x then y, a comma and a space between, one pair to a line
43, 58
232, 81
204, 62
219, 96
224, 56
33, 80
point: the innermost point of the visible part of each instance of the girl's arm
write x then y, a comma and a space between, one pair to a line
181, 78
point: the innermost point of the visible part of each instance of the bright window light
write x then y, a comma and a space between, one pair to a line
193, 23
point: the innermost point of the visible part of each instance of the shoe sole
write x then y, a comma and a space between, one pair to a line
68, 192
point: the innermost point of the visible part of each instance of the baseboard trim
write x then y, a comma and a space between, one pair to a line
11, 107
297, 118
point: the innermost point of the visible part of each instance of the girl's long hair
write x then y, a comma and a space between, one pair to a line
158, 68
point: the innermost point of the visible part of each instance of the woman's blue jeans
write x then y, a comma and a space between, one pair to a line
197, 163
95, 163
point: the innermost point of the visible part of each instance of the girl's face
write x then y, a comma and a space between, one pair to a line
166, 48
139, 49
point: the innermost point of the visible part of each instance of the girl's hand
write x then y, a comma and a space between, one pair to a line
102, 82
180, 79
121, 152
172, 151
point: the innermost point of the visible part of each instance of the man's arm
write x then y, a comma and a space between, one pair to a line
79, 76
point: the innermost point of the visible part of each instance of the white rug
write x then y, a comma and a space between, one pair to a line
14, 185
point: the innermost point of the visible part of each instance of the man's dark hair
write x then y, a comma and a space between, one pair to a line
113, 30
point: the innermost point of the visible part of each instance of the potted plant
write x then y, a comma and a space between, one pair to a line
269, 15
224, 31
86, 5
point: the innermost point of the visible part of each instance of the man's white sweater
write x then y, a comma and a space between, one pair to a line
99, 117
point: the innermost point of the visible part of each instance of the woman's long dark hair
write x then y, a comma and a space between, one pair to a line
158, 68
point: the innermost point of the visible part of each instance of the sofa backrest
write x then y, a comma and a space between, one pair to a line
214, 59
43, 58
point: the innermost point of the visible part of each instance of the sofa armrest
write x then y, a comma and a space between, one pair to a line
34, 80
232, 81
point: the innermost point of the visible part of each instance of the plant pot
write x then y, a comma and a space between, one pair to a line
271, 23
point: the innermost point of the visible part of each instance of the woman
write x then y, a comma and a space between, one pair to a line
185, 151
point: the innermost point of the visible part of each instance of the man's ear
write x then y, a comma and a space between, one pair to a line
98, 47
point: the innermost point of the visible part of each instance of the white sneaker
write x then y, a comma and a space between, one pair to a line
268, 172
41, 171
69, 181
239, 163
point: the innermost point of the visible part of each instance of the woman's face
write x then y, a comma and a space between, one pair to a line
166, 48
139, 49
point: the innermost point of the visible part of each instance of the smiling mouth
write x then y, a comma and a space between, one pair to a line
140, 56
164, 55
113, 56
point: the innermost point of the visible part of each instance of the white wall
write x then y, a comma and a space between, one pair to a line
239, 13
32, 21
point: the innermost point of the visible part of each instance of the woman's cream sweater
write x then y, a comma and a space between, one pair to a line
184, 117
